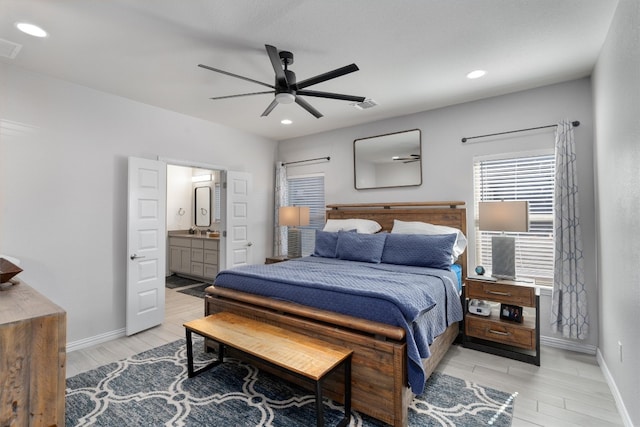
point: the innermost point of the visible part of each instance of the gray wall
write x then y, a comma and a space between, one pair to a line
616, 83
63, 184
448, 164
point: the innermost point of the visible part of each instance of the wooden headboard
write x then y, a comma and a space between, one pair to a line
452, 214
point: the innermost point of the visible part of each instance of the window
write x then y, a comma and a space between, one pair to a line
526, 177
308, 190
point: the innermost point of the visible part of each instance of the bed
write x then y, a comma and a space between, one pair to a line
390, 359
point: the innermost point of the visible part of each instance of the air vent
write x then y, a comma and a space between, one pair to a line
9, 49
367, 103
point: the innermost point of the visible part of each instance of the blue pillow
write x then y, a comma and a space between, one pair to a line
360, 247
326, 242
422, 250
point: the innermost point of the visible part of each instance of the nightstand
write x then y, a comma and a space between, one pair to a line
275, 259
493, 334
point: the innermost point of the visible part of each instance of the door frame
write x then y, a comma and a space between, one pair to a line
202, 165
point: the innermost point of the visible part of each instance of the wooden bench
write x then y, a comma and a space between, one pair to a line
304, 357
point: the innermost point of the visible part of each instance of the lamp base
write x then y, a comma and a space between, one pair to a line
294, 243
503, 257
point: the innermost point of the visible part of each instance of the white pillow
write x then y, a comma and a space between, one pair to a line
418, 227
365, 226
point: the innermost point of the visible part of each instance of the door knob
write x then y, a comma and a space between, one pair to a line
136, 256
250, 244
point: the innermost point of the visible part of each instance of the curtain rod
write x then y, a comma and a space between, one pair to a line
308, 160
574, 123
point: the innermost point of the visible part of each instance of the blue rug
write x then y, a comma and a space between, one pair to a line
152, 389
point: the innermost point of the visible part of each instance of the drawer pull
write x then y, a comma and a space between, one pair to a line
493, 331
503, 294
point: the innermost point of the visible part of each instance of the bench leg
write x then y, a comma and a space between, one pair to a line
347, 393
319, 405
190, 371
347, 397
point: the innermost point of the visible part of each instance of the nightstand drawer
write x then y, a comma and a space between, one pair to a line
501, 332
500, 292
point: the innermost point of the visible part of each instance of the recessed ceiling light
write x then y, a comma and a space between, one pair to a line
32, 30
286, 121
476, 74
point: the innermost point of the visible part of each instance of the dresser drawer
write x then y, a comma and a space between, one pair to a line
197, 269
210, 271
184, 242
210, 257
500, 292
211, 245
197, 255
510, 334
197, 243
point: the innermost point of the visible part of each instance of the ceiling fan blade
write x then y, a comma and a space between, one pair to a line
235, 75
269, 108
331, 95
328, 76
242, 94
281, 78
304, 104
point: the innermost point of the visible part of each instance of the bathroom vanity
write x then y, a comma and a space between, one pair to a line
194, 255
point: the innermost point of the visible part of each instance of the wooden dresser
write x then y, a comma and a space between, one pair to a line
32, 359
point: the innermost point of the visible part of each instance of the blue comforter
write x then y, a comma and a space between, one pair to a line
423, 301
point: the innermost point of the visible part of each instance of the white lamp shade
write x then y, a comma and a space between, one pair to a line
504, 216
293, 216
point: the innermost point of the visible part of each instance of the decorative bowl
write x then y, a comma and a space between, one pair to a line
7, 270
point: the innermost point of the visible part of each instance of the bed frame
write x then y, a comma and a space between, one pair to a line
379, 372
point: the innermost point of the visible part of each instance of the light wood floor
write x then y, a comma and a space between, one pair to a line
568, 389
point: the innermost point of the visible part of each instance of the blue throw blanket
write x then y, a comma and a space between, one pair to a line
423, 301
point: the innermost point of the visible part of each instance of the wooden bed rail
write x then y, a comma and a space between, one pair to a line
445, 204
377, 329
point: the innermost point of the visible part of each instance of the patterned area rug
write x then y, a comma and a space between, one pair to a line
152, 389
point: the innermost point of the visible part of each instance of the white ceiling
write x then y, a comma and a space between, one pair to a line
413, 55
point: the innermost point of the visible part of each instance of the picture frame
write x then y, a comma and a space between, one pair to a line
511, 312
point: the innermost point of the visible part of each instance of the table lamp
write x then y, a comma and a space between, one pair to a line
512, 216
293, 217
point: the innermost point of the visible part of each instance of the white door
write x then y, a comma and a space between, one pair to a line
146, 244
238, 244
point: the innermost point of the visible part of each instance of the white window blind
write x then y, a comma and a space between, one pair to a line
528, 178
308, 190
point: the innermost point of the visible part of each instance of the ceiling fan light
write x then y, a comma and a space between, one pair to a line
285, 98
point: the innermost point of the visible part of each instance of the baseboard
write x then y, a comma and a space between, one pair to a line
568, 345
94, 340
622, 409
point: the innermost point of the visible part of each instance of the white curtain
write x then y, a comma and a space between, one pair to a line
569, 309
281, 199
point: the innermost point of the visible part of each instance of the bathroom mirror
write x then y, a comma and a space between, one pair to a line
203, 206
390, 160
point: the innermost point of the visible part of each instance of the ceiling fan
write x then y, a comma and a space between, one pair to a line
411, 158
286, 88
